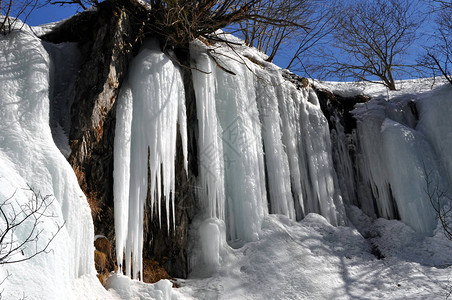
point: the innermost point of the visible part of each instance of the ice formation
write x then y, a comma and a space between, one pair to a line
151, 108
264, 147
399, 145
28, 156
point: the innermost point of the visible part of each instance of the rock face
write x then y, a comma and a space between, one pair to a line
107, 39
103, 37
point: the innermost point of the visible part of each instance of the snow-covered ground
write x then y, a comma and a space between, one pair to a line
312, 259
284, 259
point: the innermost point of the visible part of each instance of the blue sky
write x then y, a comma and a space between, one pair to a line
51, 13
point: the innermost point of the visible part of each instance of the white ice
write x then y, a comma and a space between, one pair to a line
28, 156
152, 108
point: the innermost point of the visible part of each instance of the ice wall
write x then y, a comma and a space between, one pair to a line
269, 144
150, 110
400, 144
263, 147
28, 156
435, 124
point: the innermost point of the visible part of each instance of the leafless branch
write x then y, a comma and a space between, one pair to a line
371, 39
440, 201
27, 217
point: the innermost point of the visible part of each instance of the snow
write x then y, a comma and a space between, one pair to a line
126, 288
28, 156
312, 259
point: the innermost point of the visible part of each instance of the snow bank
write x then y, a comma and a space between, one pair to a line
127, 288
28, 156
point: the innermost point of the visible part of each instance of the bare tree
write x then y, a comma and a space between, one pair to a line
83, 4
319, 25
439, 56
177, 22
25, 218
12, 10
372, 39
268, 37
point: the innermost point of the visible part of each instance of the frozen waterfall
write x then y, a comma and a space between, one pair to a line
263, 147
398, 145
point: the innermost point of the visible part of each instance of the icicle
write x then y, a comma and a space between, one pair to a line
371, 169
243, 152
158, 107
288, 98
319, 177
342, 145
209, 142
121, 171
407, 153
268, 89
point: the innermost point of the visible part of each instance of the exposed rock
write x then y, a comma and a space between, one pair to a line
333, 105
105, 39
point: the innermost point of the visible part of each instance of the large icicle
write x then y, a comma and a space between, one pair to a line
209, 141
121, 172
289, 108
319, 177
259, 111
246, 196
268, 90
211, 167
407, 153
158, 108
435, 123
371, 168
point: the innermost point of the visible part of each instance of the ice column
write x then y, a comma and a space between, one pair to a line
157, 93
209, 141
246, 196
395, 158
407, 152
121, 172
211, 166
268, 84
319, 177
371, 166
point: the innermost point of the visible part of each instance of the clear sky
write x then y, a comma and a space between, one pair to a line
51, 13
